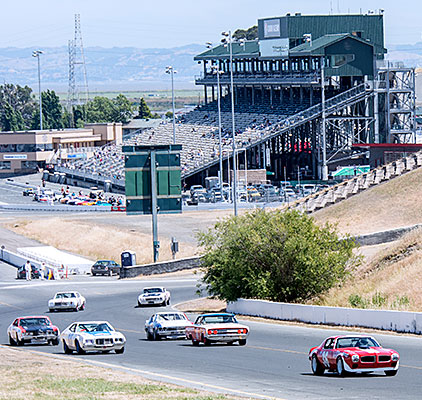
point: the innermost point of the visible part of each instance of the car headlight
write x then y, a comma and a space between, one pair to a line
395, 357
89, 341
355, 358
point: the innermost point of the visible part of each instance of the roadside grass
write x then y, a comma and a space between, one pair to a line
391, 280
28, 376
390, 205
95, 241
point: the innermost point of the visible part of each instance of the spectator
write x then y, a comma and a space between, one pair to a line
28, 270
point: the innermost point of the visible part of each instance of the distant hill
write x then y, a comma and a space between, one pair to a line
107, 68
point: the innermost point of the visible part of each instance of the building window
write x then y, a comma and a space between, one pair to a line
339, 60
4, 165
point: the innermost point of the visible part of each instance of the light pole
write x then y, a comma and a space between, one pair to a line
324, 134
170, 70
217, 72
37, 53
228, 40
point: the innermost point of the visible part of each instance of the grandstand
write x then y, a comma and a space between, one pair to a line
279, 82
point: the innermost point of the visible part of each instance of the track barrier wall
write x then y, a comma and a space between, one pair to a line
398, 321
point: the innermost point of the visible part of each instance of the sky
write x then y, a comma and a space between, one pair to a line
173, 23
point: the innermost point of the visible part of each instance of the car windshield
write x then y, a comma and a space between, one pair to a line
171, 317
360, 342
103, 262
94, 327
34, 321
65, 295
218, 319
153, 290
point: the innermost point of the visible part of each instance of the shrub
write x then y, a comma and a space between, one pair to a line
357, 301
275, 255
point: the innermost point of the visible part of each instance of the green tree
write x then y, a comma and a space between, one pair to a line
52, 112
122, 109
169, 115
248, 34
143, 110
11, 120
280, 256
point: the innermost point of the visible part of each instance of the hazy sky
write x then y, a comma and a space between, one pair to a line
165, 23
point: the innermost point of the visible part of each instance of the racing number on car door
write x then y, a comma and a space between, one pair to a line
327, 353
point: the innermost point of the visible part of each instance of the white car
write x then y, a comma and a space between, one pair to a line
67, 301
92, 336
169, 325
154, 295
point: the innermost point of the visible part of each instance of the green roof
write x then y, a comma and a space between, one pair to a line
250, 48
317, 46
351, 171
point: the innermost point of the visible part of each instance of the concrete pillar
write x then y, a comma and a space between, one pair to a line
311, 95
205, 94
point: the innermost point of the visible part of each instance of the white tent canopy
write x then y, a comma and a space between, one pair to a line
57, 258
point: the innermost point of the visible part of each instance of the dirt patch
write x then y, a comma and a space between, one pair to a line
95, 241
202, 305
26, 375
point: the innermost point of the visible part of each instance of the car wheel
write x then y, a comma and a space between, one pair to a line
120, 351
82, 307
207, 342
230, 343
19, 341
51, 310
391, 373
317, 368
79, 349
149, 336
340, 367
55, 342
94, 274
11, 341
155, 335
110, 273
66, 348
168, 302
195, 342
242, 342
139, 304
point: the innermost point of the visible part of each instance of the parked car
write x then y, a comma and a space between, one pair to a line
28, 192
21, 273
154, 295
34, 329
219, 327
105, 267
67, 301
168, 325
92, 336
353, 354
196, 188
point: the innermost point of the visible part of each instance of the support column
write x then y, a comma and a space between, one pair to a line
253, 95
206, 94
311, 95
271, 95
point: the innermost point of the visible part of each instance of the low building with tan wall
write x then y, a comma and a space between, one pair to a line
26, 151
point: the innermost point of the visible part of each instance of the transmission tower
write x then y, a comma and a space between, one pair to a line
78, 92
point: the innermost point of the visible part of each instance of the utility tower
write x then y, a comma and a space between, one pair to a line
78, 92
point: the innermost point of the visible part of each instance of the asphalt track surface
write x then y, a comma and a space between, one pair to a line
273, 364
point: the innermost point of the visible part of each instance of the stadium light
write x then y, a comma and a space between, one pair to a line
228, 39
37, 53
216, 71
170, 70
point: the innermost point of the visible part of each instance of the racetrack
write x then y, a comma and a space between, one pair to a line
273, 364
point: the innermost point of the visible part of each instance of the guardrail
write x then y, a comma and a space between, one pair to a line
398, 321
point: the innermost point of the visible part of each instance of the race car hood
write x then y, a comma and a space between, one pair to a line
38, 328
368, 352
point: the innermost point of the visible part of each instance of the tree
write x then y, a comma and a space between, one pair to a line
248, 34
280, 256
11, 120
143, 110
169, 115
20, 99
122, 109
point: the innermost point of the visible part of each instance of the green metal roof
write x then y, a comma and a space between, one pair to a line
351, 171
249, 49
317, 46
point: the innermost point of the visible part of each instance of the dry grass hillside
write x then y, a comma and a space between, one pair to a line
390, 205
391, 280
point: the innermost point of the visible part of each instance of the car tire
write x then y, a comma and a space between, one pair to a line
79, 349
316, 366
168, 302
195, 342
19, 342
242, 342
149, 336
12, 341
391, 373
55, 342
66, 348
155, 335
139, 304
340, 367
207, 342
120, 351
94, 274
110, 273
82, 307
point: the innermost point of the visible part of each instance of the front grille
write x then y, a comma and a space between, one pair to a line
368, 359
103, 341
384, 358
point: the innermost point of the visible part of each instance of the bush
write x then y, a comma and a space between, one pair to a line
280, 256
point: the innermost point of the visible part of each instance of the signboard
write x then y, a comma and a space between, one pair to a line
139, 179
15, 157
76, 155
274, 48
272, 28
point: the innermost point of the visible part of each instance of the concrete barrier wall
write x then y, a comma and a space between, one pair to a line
160, 267
57, 207
385, 236
399, 321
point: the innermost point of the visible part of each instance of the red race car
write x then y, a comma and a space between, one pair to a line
353, 354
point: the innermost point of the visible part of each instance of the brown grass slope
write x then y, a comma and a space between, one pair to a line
393, 204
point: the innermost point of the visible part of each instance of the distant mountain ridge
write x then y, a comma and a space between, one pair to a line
106, 67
